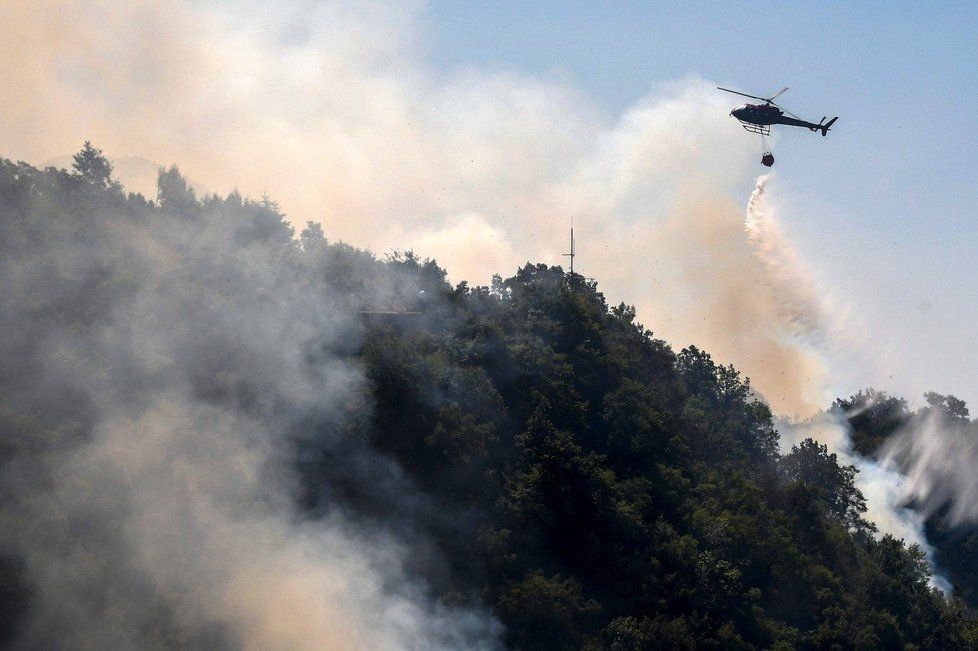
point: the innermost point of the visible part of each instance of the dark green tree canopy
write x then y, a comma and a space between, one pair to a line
834, 485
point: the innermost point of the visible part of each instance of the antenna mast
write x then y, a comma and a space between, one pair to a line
571, 254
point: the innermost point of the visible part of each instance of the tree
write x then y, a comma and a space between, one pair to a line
719, 384
173, 194
312, 238
546, 612
953, 408
873, 417
811, 464
92, 165
270, 205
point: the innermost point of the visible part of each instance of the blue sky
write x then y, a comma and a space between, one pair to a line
884, 207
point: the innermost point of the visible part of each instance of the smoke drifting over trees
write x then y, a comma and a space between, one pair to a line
162, 370
218, 434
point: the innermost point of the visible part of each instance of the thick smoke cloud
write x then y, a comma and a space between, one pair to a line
193, 361
334, 111
738, 285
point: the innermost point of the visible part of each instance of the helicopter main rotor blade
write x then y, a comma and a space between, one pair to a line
777, 93
786, 111
737, 92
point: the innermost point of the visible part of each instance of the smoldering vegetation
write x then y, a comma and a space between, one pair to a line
215, 433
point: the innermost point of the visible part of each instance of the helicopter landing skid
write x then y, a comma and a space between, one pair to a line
763, 129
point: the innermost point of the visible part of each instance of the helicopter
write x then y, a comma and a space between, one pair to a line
758, 118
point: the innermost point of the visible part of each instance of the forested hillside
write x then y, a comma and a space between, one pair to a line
544, 464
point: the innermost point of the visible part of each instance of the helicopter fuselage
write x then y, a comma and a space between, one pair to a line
766, 115
758, 114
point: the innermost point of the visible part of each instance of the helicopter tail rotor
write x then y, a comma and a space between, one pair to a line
825, 128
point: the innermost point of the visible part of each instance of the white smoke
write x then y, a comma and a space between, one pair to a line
883, 486
195, 368
787, 277
809, 322
937, 456
887, 490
